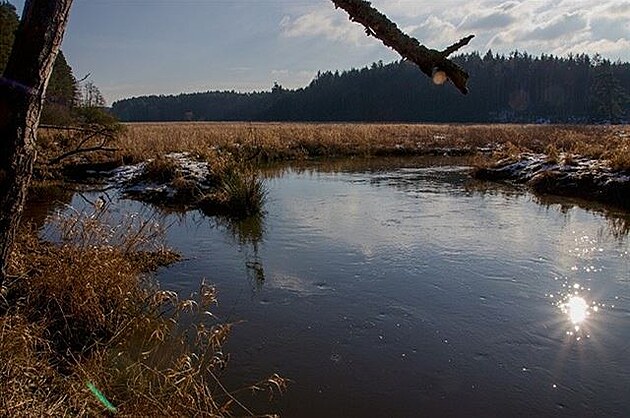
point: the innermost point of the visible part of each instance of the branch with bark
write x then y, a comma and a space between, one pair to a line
430, 61
90, 140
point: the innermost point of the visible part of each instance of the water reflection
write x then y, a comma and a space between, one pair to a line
586, 260
618, 221
363, 165
576, 309
44, 199
248, 233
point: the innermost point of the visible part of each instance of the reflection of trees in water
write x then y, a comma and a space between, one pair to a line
248, 233
618, 220
362, 164
619, 227
44, 199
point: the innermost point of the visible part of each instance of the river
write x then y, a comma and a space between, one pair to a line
402, 288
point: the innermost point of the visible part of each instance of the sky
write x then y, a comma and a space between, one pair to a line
141, 47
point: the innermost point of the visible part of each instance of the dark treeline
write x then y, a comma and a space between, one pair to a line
514, 88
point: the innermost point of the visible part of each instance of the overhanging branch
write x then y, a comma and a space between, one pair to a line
104, 135
428, 60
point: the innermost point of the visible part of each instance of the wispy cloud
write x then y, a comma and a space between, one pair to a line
326, 23
567, 24
493, 20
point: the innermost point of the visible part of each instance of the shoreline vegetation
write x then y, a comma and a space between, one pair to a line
87, 332
232, 153
273, 142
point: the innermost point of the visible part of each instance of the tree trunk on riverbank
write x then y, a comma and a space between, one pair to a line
22, 89
433, 63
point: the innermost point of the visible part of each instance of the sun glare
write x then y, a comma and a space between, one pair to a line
577, 309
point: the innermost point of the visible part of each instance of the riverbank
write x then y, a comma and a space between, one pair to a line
78, 342
266, 142
244, 146
86, 330
565, 175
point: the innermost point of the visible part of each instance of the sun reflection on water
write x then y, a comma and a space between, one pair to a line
574, 300
576, 309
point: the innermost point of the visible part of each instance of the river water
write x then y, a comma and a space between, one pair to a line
404, 289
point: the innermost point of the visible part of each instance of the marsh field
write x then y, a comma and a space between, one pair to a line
369, 275
285, 141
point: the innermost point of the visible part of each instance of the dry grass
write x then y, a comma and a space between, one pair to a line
266, 142
281, 141
230, 187
161, 169
82, 311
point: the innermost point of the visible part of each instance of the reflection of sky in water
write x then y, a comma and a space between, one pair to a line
404, 289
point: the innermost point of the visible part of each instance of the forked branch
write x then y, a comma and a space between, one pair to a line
103, 135
428, 60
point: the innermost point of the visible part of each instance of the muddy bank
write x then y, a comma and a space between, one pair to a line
578, 177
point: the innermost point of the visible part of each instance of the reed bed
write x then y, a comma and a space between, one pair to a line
286, 141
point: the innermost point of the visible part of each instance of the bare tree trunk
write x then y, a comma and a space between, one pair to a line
430, 61
22, 89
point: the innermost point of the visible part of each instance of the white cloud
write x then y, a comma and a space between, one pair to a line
567, 24
435, 32
325, 23
611, 49
493, 20
539, 26
276, 73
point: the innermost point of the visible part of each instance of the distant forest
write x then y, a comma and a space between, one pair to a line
514, 88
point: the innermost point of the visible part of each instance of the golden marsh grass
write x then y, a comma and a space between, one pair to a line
79, 315
284, 141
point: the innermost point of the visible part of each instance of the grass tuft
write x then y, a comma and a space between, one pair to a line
240, 192
81, 317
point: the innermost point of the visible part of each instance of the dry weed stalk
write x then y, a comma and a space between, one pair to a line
82, 316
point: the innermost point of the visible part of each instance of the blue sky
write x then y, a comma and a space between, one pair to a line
138, 47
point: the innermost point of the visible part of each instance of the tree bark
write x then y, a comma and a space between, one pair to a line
22, 89
428, 60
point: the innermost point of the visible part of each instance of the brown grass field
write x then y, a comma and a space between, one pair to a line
82, 314
274, 142
286, 141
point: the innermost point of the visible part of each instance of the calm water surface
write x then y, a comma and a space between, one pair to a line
410, 291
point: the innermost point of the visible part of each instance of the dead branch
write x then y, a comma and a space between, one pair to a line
428, 60
457, 45
104, 133
100, 147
